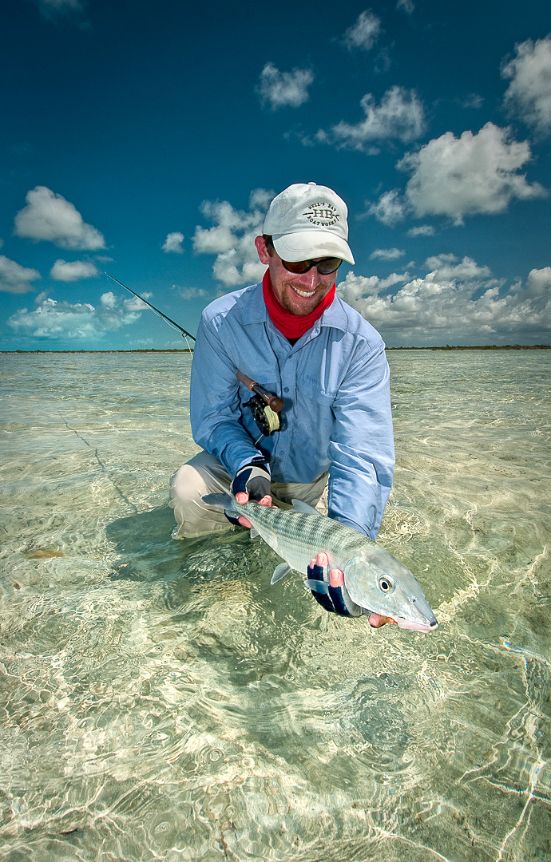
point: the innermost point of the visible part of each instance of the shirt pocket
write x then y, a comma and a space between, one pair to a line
315, 389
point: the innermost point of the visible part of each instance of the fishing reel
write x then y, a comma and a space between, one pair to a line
264, 405
266, 418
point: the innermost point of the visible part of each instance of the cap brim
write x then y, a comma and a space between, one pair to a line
310, 244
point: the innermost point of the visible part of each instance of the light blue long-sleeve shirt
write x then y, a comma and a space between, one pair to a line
335, 384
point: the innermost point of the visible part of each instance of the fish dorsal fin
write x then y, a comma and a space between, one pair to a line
218, 501
305, 508
280, 572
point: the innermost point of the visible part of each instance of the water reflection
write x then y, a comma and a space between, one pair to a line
161, 699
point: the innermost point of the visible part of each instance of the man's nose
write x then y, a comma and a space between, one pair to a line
310, 279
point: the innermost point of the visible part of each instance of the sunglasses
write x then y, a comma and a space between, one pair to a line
325, 265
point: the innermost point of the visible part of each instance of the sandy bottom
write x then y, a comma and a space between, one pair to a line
159, 700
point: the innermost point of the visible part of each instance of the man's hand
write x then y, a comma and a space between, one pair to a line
329, 590
376, 621
252, 482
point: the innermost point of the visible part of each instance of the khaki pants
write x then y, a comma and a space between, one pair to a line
205, 475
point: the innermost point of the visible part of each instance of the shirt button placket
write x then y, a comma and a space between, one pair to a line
288, 375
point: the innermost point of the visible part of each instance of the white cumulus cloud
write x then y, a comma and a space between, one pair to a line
421, 230
399, 115
72, 270
108, 299
220, 237
386, 254
475, 173
48, 216
15, 278
449, 266
191, 292
260, 199
173, 243
134, 303
539, 282
355, 288
364, 32
389, 209
529, 92
231, 238
79, 321
454, 302
473, 101
284, 89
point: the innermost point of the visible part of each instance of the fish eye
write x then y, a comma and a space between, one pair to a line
386, 585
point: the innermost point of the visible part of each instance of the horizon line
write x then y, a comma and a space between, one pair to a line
188, 350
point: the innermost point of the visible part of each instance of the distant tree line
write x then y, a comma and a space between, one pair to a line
405, 347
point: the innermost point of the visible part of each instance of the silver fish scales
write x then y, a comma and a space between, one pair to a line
375, 580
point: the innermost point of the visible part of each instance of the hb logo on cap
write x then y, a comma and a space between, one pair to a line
322, 213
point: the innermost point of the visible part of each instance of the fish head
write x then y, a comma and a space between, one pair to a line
379, 583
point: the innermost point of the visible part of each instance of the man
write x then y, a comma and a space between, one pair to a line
295, 337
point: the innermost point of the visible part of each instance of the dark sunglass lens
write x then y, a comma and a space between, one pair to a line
297, 267
329, 265
325, 266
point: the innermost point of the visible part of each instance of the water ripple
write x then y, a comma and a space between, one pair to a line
161, 700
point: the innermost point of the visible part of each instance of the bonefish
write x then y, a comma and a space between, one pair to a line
375, 580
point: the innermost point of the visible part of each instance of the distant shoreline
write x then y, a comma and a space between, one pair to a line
186, 350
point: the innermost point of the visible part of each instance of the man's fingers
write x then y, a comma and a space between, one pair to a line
377, 620
336, 578
243, 498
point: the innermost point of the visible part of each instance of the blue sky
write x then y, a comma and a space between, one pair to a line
145, 140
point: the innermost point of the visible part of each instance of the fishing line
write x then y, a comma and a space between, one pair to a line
183, 332
103, 467
265, 406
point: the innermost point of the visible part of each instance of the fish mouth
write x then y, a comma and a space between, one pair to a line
409, 625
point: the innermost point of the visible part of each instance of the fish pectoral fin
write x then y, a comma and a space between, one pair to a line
305, 508
280, 572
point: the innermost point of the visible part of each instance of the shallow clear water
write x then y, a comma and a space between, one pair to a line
159, 700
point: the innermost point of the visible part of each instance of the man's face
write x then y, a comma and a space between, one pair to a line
299, 294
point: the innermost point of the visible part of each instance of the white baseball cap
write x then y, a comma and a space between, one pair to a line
307, 221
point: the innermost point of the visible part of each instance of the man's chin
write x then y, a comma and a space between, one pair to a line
302, 305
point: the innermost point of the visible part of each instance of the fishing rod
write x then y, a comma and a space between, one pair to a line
265, 406
183, 332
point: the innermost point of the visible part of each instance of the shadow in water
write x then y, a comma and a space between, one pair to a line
144, 545
147, 552
256, 629
197, 571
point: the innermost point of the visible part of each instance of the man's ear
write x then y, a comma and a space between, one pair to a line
262, 250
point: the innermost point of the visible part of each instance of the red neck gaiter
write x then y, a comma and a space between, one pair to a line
293, 326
